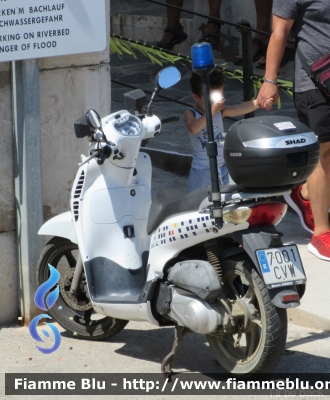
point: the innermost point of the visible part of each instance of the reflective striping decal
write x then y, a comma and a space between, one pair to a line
181, 230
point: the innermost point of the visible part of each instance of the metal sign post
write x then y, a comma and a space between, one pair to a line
32, 29
28, 179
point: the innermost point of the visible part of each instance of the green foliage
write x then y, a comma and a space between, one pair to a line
121, 45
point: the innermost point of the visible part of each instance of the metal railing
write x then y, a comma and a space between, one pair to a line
182, 103
247, 50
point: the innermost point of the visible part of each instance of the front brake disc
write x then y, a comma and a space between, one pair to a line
72, 301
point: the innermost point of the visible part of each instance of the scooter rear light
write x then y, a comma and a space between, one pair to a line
287, 298
238, 215
267, 213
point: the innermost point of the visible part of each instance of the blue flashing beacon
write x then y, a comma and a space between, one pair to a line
202, 57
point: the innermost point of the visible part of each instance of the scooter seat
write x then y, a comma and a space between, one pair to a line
168, 202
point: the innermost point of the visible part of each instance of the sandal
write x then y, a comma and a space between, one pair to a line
212, 38
261, 52
179, 36
287, 57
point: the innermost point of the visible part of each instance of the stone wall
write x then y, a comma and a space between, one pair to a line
148, 28
69, 86
232, 11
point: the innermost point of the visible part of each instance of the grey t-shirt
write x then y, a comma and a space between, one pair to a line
311, 30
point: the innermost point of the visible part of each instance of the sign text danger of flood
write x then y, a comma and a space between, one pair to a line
33, 29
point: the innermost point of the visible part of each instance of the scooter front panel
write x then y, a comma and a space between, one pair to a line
109, 206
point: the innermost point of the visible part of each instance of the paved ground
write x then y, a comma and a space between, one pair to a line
140, 348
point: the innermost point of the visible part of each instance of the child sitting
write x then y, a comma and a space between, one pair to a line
195, 120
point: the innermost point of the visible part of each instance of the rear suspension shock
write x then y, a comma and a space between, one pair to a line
213, 258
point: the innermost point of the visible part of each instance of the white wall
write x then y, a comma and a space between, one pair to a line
232, 11
69, 86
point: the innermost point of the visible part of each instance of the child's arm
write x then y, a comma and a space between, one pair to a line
240, 109
195, 125
244, 108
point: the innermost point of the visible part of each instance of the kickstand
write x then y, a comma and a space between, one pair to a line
166, 367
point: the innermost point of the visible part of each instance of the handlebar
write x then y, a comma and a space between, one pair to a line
88, 159
101, 154
170, 119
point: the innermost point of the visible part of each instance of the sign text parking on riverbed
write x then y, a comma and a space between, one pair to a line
38, 28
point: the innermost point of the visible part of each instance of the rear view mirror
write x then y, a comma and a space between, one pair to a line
168, 77
93, 119
165, 79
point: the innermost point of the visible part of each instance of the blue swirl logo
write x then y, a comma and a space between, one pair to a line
44, 299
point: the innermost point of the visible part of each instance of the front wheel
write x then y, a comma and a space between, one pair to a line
255, 343
75, 314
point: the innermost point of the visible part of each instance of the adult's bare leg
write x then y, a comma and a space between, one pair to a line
319, 190
304, 191
263, 23
213, 28
263, 14
214, 8
173, 19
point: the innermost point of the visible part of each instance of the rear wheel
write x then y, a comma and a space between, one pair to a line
74, 314
255, 342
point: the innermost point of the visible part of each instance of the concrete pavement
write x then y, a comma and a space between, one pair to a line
140, 348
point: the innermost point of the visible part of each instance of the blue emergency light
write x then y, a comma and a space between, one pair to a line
202, 57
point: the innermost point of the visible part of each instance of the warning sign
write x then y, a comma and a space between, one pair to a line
37, 29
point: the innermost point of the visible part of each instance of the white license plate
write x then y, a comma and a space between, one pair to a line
281, 266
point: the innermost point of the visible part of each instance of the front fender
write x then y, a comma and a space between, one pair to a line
61, 225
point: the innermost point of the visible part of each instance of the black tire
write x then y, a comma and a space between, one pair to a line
265, 337
77, 317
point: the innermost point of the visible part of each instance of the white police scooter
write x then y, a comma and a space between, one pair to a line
169, 261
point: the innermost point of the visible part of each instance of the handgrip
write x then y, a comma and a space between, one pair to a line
102, 158
170, 119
